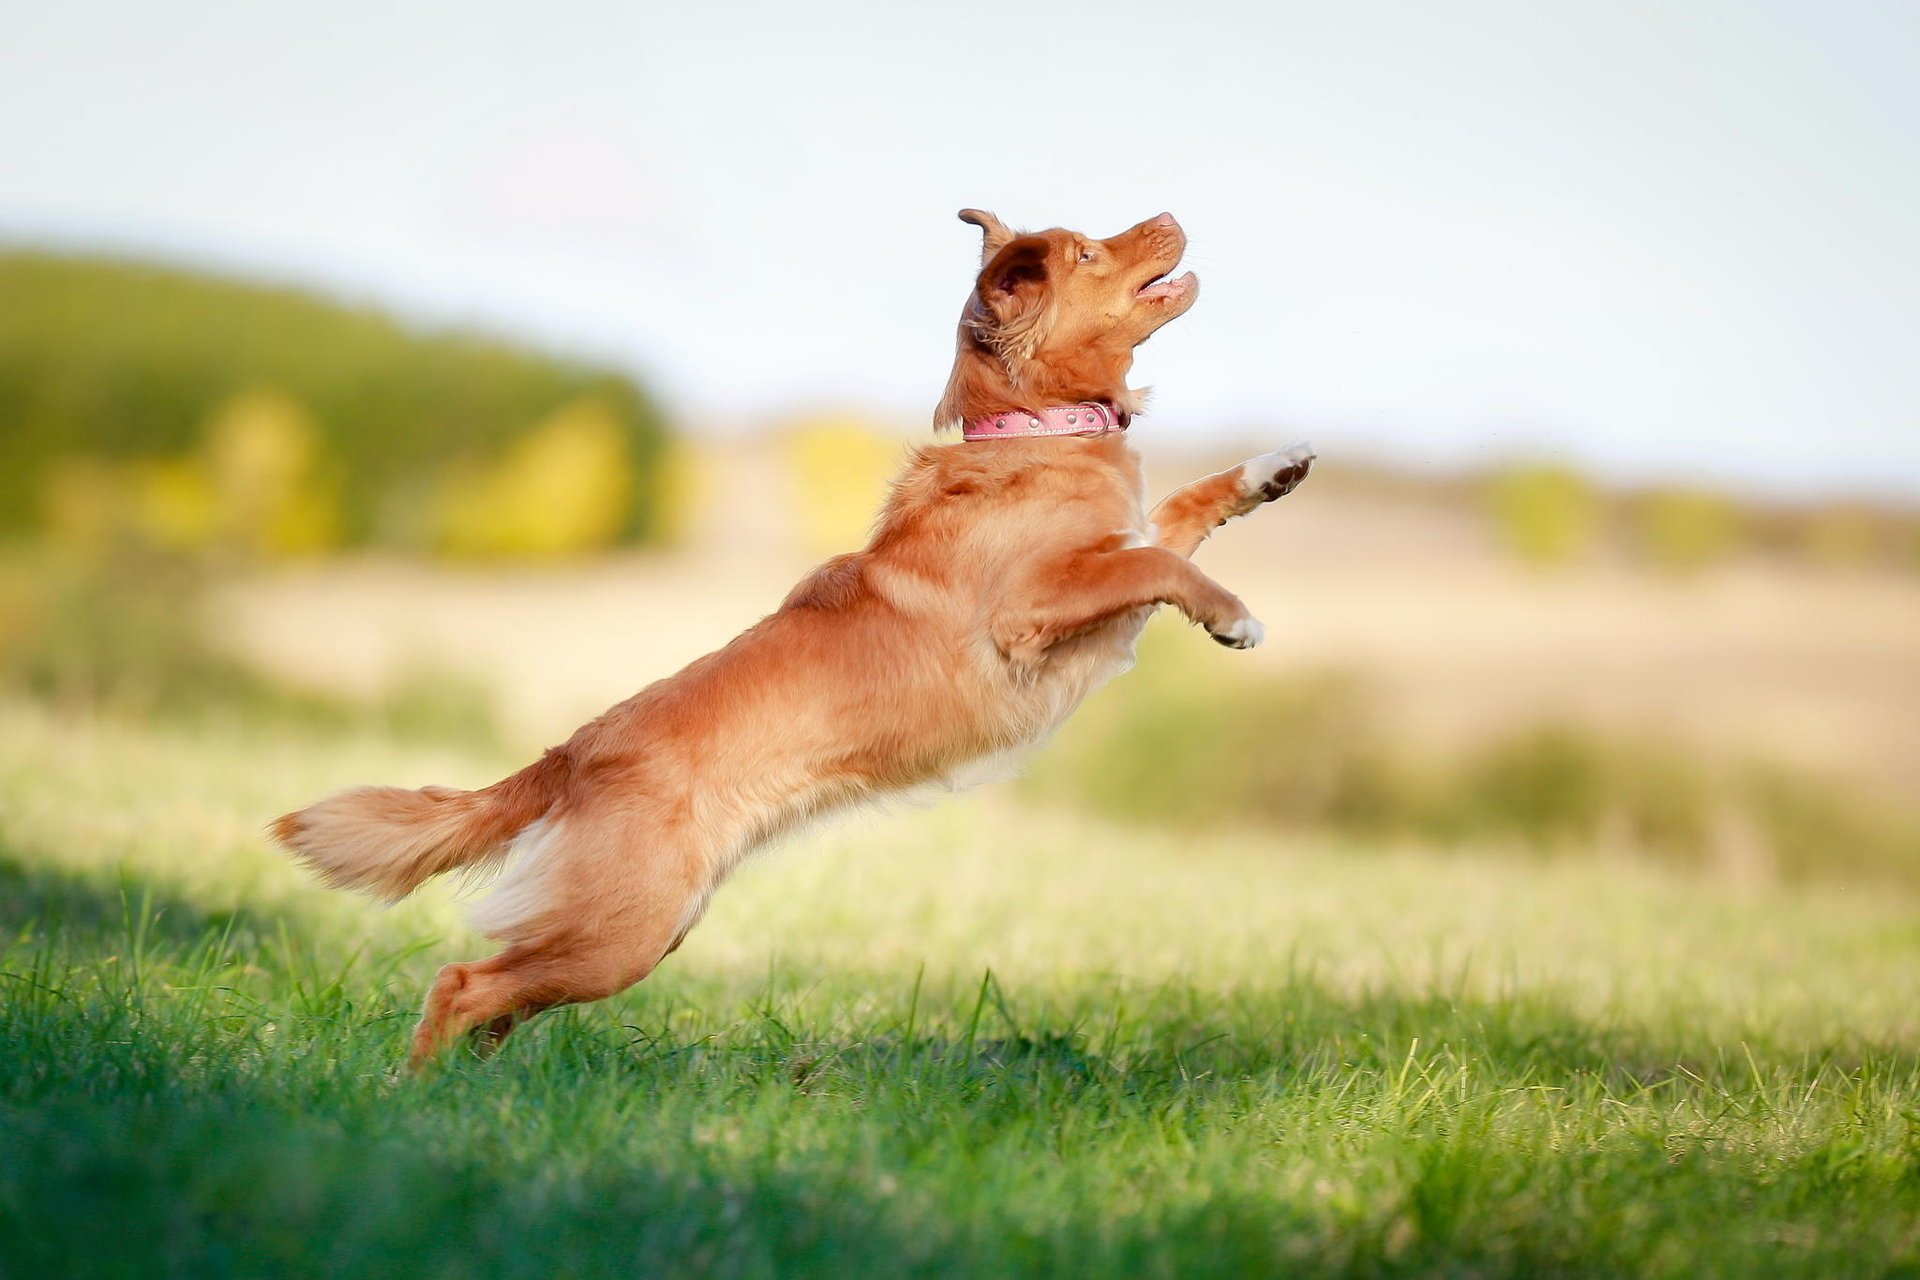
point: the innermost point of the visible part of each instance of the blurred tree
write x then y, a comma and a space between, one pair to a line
1544, 515
261, 458
173, 505
560, 490
85, 504
683, 489
121, 363
840, 466
1684, 530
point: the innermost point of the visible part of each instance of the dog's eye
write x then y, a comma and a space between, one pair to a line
1086, 255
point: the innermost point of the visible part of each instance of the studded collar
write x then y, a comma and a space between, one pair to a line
1089, 418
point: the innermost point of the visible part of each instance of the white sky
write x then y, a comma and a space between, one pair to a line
1657, 239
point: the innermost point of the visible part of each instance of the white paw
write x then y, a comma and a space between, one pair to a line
1274, 475
1241, 633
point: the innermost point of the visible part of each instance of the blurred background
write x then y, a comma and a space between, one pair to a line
446, 374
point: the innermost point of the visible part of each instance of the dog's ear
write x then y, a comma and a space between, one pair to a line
993, 232
1014, 281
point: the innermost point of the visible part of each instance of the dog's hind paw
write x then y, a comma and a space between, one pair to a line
1241, 633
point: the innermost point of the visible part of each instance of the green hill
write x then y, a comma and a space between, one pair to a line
186, 396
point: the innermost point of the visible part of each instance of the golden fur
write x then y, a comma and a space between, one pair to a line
1004, 581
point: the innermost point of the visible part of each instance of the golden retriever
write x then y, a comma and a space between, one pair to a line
1008, 575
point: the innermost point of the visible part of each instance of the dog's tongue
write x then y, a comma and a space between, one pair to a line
1168, 288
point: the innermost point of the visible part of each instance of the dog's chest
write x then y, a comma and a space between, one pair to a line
1103, 508
1076, 667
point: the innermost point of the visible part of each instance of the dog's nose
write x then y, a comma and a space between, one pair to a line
1165, 220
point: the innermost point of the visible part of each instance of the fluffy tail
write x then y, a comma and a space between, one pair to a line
388, 841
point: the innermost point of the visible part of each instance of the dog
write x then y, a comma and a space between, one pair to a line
1008, 575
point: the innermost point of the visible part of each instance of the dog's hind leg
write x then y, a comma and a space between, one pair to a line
609, 920
489, 998
483, 993
492, 1035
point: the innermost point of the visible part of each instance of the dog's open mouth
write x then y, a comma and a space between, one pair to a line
1161, 287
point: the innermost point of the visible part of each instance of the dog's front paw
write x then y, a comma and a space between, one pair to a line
1275, 475
1241, 633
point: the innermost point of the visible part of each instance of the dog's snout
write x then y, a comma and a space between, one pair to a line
1161, 229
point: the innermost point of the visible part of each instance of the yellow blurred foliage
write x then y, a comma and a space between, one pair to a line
85, 503
1684, 530
254, 486
174, 506
260, 460
840, 466
562, 489
1545, 515
682, 491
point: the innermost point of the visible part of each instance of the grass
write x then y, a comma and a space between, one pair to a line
970, 1041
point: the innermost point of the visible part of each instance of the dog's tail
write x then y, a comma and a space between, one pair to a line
388, 841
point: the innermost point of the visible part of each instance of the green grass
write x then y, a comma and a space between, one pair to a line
969, 1041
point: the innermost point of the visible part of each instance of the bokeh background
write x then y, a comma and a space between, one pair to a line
454, 374
384, 390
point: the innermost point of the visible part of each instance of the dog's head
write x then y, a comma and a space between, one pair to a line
1055, 315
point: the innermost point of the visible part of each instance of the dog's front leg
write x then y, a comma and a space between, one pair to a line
1187, 515
1067, 597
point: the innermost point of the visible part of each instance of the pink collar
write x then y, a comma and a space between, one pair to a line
1089, 418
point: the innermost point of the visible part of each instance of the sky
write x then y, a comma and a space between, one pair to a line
1661, 241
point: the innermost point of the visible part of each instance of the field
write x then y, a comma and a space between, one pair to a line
1543, 898
973, 1040
1812, 665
